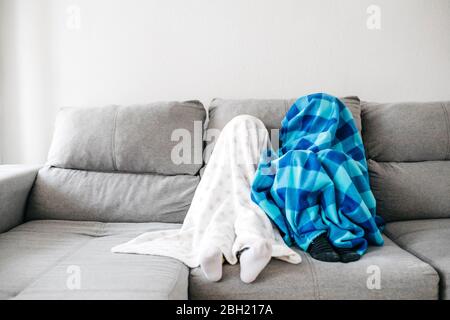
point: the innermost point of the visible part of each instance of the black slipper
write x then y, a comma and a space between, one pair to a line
321, 249
347, 254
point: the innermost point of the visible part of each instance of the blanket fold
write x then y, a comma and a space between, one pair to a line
318, 180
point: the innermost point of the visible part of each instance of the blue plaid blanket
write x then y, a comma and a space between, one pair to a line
318, 182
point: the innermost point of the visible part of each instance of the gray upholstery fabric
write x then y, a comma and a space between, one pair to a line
406, 131
407, 144
38, 257
110, 197
403, 276
129, 139
15, 185
411, 190
429, 240
270, 111
83, 139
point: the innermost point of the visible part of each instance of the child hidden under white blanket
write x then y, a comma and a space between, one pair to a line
222, 221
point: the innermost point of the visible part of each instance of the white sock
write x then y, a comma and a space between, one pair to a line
254, 259
211, 263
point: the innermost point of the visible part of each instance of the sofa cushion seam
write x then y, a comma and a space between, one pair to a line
175, 281
113, 139
446, 116
314, 278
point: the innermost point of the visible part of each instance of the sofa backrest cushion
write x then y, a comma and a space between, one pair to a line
411, 190
407, 132
66, 194
115, 164
408, 146
134, 139
270, 111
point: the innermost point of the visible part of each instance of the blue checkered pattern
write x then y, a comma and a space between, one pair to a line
318, 181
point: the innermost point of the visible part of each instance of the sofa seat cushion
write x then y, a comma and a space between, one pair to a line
52, 259
429, 240
402, 276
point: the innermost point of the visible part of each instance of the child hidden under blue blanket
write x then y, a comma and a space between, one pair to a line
318, 180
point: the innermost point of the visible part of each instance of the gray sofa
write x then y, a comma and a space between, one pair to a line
109, 177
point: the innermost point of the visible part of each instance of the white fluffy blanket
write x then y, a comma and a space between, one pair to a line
221, 214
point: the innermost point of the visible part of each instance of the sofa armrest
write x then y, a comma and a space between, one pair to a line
15, 184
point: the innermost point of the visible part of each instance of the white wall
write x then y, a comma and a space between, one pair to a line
26, 90
131, 51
